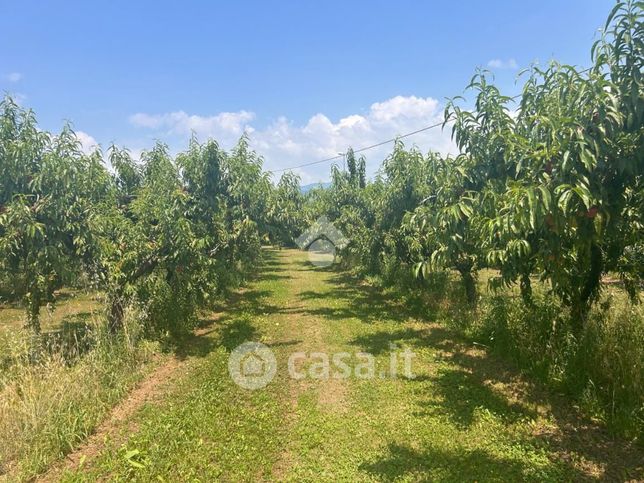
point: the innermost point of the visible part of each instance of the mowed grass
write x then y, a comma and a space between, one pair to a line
207, 428
72, 309
464, 416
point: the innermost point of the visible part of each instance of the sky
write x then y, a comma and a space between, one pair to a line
305, 80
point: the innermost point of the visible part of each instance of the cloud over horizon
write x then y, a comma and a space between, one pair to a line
203, 126
284, 143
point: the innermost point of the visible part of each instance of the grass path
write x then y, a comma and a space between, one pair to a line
464, 417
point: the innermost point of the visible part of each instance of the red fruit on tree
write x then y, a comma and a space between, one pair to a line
592, 212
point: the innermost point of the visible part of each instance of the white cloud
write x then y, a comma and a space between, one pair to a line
13, 76
88, 143
503, 64
222, 124
399, 106
284, 143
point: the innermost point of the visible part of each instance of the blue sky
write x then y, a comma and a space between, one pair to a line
305, 79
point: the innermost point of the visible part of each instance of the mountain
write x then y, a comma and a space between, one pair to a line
308, 187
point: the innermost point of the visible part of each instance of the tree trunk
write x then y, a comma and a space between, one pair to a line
33, 311
526, 288
581, 306
591, 287
469, 283
115, 318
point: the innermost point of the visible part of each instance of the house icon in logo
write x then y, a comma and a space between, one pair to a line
252, 365
321, 240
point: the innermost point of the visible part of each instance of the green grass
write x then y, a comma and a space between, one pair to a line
47, 409
54, 394
600, 369
466, 416
208, 428
71, 309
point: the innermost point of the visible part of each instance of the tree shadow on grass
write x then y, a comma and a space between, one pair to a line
274, 277
467, 383
248, 301
573, 437
462, 394
363, 302
434, 464
193, 345
470, 381
462, 389
227, 331
237, 331
380, 342
363, 305
233, 325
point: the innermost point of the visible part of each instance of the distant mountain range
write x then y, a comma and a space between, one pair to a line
308, 187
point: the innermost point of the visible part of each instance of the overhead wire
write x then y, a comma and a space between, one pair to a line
382, 143
366, 148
